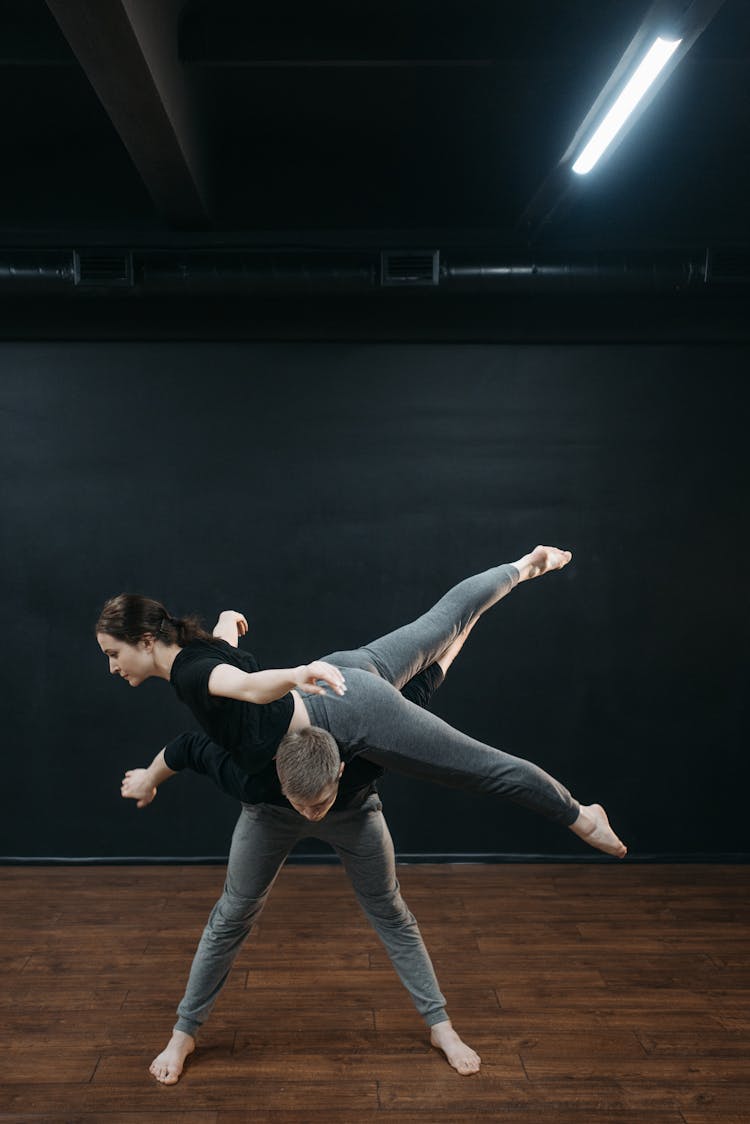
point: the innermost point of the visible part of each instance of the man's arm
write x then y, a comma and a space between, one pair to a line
230, 626
141, 784
195, 751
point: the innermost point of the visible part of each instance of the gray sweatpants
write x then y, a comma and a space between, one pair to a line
262, 839
373, 719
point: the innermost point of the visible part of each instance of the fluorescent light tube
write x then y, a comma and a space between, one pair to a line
657, 58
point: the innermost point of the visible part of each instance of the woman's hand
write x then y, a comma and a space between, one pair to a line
137, 785
320, 670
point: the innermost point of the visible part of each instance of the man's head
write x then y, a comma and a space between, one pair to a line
309, 767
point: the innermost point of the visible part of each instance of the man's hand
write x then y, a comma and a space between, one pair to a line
138, 785
230, 626
234, 619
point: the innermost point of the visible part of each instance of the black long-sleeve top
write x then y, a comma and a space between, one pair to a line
196, 751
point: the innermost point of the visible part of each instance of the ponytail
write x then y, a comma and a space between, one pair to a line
130, 617
181, 630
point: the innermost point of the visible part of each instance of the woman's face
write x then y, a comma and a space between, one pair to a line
133, 662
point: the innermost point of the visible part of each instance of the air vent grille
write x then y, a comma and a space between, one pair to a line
96, 269
410, 267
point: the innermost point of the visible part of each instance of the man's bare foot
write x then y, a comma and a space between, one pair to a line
541, 560
168, 1065
463, 1059
593, 827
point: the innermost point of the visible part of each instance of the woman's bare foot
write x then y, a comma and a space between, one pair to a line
540, 561
168, 1065
593, 827
463, 1059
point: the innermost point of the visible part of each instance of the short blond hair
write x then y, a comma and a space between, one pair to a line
307, 761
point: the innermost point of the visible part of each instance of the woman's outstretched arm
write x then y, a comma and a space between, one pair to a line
229, 682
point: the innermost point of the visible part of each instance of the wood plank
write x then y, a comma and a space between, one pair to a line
662, 1070
147, 1098
411, 1039
159, 1117
57, 1063
102, 998
713, 1117
612, 998
303, 979
719, 1097
471, 1020
707, 1044
489, 1094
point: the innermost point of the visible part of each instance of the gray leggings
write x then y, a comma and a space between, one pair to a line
262, 839
373, 719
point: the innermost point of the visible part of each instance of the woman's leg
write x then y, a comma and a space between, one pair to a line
373, 719
262, 839
402, 654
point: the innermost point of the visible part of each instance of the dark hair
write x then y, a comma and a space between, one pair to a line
130, 617
306, 761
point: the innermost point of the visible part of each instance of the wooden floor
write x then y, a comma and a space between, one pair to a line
593, 994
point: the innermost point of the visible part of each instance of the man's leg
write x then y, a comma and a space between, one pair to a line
363, 842
262, 839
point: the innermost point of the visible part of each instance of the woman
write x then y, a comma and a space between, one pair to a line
248, 711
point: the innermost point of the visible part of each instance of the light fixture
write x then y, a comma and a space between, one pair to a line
643, 78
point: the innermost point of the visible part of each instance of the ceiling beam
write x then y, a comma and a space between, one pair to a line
128, 51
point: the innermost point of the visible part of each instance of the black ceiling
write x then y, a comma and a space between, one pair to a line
232, 122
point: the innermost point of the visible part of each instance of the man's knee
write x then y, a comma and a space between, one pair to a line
388, 910
233, 916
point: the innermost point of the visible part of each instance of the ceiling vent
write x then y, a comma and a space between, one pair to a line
103, 269
410, 267
728, 267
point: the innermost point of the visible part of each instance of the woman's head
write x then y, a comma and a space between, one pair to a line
130, 625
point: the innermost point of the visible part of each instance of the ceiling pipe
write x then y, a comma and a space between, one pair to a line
155, 272
602, 274
238, 271
30, 270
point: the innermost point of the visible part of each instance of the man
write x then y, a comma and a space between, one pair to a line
309, 792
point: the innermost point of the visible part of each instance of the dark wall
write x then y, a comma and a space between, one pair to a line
332, 492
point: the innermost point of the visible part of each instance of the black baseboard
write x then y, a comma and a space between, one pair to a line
732, 858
